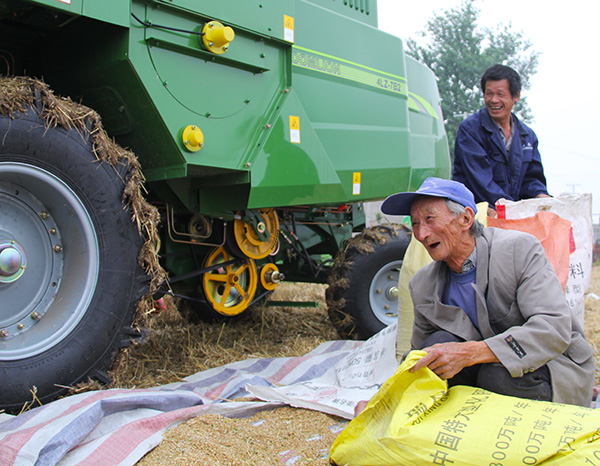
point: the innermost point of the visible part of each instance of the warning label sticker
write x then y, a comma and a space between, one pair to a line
288, 28
295, 129
356, 183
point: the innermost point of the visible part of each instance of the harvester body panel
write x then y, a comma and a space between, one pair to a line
228, 143
310, 103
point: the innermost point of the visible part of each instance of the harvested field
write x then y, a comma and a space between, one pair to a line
177, 349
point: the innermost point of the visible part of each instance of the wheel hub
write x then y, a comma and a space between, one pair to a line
28, 280
392, 293
48, 260
12, 261
383, 293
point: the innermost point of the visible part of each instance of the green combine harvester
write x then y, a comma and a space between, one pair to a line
235, 141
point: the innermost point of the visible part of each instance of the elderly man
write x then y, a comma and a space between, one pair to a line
495, 154
489, 311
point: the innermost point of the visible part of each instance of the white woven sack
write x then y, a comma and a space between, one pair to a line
577, 208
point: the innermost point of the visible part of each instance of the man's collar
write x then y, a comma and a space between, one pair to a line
489, 124
511, 121
471, 261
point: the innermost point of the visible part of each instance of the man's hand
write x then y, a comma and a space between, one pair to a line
448, 359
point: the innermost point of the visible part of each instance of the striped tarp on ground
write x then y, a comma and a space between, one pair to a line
117, 427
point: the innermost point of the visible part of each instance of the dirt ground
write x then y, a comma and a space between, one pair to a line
285, 436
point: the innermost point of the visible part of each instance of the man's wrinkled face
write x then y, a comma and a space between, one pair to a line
498, 100
436, 228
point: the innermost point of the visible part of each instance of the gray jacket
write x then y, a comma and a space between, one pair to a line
523, 315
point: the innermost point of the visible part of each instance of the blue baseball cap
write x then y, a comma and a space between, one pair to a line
400, 203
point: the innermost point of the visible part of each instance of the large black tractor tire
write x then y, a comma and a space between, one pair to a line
362, 296
70, 280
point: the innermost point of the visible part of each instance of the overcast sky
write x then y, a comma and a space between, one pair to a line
565, 92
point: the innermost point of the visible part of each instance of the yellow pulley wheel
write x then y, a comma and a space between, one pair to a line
229, 289
259, 237
270, 276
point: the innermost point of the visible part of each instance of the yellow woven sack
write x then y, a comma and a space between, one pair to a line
414, 419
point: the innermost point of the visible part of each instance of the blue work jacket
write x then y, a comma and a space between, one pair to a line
482, 164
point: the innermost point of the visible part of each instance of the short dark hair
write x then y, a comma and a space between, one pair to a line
499, 72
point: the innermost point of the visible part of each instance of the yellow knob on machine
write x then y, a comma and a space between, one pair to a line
217, 37
192, 138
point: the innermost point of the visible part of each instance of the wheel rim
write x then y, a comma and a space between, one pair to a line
49, 260
383, 292
229, 289
248, 240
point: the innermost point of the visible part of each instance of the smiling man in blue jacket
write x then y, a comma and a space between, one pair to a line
496, 155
